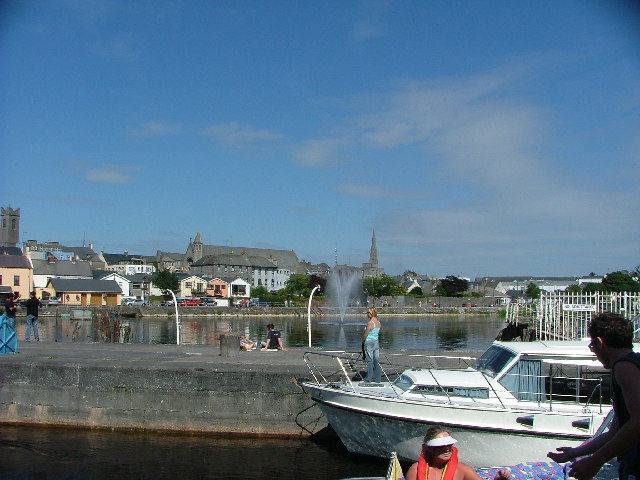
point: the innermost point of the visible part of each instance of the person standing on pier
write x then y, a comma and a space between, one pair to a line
33, 304
372, 346
10, 308
612, 342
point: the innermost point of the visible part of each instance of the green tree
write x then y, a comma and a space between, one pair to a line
298, 286
452, 286
594, 287
532, 291
383, 286
259, 292
573, 289
166, 280
620, 282
416, 292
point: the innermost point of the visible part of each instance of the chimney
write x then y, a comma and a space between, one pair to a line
74, 259
51, 259
91, 246
126, 253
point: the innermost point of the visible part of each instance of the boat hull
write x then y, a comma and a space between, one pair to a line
377, 427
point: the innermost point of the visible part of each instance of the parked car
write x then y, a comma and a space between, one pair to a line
190, 302
126, 300
208, 302
167, 303
138, 302
50, 302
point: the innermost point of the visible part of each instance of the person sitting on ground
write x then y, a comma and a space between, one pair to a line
246, 344
274, 339
439, 460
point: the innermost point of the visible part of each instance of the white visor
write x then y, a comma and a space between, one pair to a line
441, 441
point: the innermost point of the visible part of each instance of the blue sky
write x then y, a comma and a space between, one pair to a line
476, 138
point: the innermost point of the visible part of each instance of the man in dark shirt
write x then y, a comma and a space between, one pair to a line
612, 343
10, 309
32, 318
274, 339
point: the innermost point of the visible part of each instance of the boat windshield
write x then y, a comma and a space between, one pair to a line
403, 382
493, 360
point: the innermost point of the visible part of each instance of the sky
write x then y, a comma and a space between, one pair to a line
475, 138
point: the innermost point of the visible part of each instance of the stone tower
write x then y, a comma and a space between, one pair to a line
373, 255
10, 228
197, 248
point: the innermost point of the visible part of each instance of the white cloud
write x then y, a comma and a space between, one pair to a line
150, 129
372, 22
372, 191
317, 153
111, 174
235, 134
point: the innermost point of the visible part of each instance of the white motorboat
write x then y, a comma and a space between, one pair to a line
515, 403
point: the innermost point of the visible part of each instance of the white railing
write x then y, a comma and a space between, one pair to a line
565, 315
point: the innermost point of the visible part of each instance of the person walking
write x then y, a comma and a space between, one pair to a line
612, 342
372, 346
33, 304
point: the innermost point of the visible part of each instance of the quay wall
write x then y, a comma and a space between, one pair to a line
194, 392
185, 389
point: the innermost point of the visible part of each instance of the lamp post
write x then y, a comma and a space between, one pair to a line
317, 287
175, 305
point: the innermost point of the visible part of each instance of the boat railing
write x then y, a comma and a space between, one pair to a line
548, 391
344, 367
555, 389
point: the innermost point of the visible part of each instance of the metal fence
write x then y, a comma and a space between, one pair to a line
565, 316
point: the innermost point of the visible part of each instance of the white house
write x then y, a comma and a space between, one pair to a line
123, 283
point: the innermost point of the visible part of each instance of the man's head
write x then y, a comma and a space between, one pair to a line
271, 326
33, 294
613, 329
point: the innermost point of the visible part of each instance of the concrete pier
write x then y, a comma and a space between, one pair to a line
186, 388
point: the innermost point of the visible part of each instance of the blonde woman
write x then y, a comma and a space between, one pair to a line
372, 346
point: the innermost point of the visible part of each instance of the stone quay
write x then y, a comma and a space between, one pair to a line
182, 389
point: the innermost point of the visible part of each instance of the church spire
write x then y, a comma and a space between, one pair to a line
373, 255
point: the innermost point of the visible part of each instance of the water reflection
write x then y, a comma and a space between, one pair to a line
412, 332
48, 453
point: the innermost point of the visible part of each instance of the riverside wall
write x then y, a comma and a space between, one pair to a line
157, 387
182, 389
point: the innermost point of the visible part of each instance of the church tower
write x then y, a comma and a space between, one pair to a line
197, 248
10, 227
373, 255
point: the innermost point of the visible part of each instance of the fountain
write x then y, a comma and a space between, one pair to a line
344, 285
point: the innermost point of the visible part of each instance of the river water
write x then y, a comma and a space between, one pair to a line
412, 332
48, 453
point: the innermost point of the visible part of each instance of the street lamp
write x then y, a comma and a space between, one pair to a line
317, 287
175, 305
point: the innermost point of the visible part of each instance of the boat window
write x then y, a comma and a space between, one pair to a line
525, 380
452, 391
403, 382
493, 360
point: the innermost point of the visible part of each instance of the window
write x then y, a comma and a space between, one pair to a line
0, 279
16, 280
493, 360
452, 391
